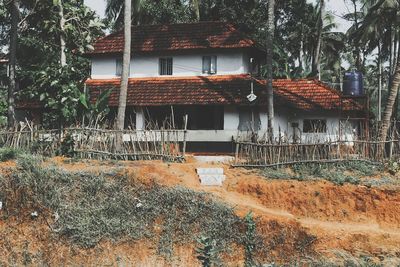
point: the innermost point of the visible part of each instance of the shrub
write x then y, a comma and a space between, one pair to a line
207, 252
67, 147
337, 173
250, 240
7, 154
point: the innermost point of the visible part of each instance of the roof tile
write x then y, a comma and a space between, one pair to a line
222, 90
201, 35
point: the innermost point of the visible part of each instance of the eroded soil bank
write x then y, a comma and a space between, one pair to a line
296, 218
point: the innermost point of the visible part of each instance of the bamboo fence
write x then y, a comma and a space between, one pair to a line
93, 143
267, 155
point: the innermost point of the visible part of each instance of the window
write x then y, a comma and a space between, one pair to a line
254, 66
118, 69
165, 66
314, 126
210, 64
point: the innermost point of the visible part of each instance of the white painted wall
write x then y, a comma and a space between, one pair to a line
231, 118
282, 126
187, 64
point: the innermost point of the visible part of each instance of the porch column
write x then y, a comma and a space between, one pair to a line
140, 120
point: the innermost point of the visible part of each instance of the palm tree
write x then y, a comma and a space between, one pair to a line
13, 61
115, 12
125, 66
63, 56
387, 114
270, 44
378, 29
317, 51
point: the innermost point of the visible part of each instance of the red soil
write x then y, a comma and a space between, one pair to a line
353, 219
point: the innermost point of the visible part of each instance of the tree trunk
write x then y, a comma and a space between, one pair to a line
13, 62
380, 83
317, 51
196, 8
387, 114
270, 44
63, 57
125, 66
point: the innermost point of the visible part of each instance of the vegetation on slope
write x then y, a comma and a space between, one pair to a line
87, 208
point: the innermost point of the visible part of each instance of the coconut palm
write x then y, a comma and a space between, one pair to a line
317, 50
380, 29
115, 10
14, 6
125, 65
270, 43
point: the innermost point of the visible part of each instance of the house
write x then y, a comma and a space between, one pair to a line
209, 71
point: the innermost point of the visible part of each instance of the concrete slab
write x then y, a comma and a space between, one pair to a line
213, 176
201, 171
214, 159
210, 180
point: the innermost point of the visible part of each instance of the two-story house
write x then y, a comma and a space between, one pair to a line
209, 71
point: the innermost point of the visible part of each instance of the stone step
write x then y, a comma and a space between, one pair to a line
205, 171
211, 180
213, 176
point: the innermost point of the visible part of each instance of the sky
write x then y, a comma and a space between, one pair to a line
336, 7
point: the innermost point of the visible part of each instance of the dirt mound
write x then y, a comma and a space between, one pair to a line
325, 201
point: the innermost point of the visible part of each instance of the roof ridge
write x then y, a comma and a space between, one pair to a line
170, 24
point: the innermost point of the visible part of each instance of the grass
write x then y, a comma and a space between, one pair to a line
350, 172
87, 208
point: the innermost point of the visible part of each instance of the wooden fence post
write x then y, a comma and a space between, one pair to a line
184, 135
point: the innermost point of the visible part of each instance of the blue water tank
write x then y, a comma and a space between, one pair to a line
353, 84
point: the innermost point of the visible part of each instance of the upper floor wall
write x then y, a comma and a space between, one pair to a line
228, 62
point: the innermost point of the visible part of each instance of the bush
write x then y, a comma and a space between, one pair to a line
7, 154
337, 173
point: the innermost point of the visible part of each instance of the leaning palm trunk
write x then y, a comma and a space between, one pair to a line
387, 114
125, 67
270, 44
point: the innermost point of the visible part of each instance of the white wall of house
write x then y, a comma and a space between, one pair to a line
184, 64
231, 118
282, 126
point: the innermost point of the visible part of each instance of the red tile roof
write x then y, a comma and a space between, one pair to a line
201, 35
221, 90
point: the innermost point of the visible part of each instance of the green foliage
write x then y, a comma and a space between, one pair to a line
67, 147
337, 173
95, 111
393, 166
40, 74
250, 240
7, 154
207, 252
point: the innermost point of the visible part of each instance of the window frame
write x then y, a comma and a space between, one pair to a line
118, 67
210, 71
165, 70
